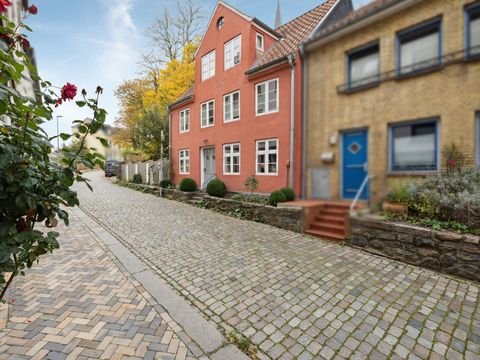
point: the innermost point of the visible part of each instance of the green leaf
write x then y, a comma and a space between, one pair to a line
104, 141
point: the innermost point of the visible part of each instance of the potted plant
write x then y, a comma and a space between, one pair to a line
396, 201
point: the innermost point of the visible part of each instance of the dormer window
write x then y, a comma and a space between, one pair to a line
233, 52
220, 22
260, 42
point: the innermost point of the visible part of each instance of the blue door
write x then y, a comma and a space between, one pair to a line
355, 158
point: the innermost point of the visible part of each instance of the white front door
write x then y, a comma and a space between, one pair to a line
208, 164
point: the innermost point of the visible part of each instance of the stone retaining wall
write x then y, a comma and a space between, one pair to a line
285, 218
447, 252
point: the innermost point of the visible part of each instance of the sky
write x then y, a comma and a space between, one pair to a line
99, 42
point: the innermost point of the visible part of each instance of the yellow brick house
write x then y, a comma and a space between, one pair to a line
388, 86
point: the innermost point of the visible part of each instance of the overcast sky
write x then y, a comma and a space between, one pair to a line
98, 42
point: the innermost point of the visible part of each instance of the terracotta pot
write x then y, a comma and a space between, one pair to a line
395, 208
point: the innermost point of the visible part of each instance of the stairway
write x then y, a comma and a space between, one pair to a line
330, 222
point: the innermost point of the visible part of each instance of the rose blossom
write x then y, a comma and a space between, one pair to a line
69, 91
32, 9
4, 4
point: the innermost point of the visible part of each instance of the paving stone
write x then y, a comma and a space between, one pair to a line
260, 276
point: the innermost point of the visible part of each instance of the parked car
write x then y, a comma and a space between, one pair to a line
111, 168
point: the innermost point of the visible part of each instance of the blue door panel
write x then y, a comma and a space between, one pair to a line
355, 158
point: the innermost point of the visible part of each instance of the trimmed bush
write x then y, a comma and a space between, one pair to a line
276, 197
166, 184
137, 179
216, 188
289, 193
188, 185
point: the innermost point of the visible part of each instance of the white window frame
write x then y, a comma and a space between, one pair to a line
209, 61
267, 99
186, 128
229, 62
184, 156
230, 104
232, 155
260, 36
266, 152
201, 114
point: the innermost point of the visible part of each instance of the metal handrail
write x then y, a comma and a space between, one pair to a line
359, 192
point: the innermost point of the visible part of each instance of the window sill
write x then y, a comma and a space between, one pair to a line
230, 121
207, 126
267, 113
257, 174
411, 173
419, 72
184, 132
354, 89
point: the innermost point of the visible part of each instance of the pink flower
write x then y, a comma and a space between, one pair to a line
69, 91
3, 5
32, 9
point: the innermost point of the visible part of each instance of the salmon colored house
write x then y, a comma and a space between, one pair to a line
243, 116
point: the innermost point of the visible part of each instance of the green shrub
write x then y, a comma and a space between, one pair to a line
166, 184
188, 185
401, 194
289, 193
276, 197
137, 179
216, 188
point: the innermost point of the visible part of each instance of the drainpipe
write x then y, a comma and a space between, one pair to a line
292, 122
304, 121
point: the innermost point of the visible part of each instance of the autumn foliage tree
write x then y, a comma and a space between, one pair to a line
144, 101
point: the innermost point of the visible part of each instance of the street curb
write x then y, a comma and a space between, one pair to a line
201, 331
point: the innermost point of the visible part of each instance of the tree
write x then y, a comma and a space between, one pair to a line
144, 113
33, 188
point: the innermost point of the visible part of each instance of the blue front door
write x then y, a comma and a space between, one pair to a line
355, 158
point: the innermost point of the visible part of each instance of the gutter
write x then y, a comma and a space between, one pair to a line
291, 175
267, 65
181, 102
304, 120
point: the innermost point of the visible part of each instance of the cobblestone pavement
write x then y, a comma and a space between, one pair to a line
292, 295
78, 304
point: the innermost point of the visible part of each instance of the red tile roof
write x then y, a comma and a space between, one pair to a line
294, 33
357, 15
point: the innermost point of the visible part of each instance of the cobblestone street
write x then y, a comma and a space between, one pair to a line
292, 295
78, 304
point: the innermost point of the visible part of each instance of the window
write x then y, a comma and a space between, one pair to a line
259, 42
220, 22
364, 66
231, 159
233, 52
267, 97
231, 107
267, 157
208, 113
419, 48
414, 146
473, 30
184, 161
185, 120
208, 65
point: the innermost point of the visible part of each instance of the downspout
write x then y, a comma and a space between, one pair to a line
292, 122
304, 121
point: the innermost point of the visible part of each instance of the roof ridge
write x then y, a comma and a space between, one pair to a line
299, 16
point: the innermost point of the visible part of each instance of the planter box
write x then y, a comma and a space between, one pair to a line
447, 252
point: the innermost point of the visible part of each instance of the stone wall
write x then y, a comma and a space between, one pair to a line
447, 252
285, 218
